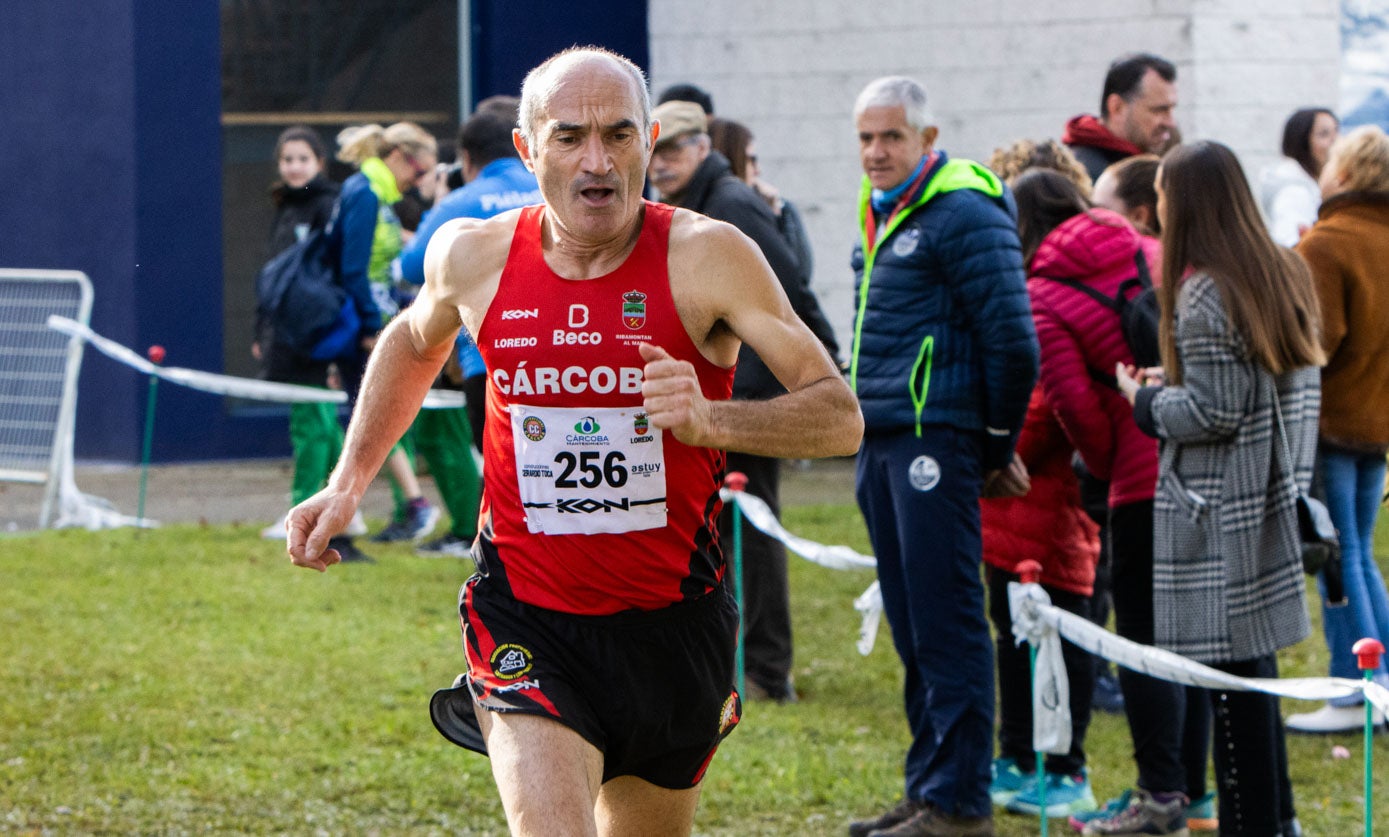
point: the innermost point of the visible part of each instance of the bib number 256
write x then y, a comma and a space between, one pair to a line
610, 470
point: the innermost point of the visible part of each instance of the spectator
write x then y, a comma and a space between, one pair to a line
367, 238
1011, 161
944, 361
1289, 193
495, 181
1236, 422
735, 142
303, 199
1347, 249
1047, 525
690, 174
1127, 187
1136, 105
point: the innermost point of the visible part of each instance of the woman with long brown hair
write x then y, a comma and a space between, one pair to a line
1236, 421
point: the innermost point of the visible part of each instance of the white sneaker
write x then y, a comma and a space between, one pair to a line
276, 530
358, 526
1331, 719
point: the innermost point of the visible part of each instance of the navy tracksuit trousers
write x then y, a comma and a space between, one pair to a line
920, 500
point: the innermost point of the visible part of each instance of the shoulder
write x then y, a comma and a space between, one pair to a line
700, 243
1200, 295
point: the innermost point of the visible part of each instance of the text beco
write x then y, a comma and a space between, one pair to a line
577, 338
549, 380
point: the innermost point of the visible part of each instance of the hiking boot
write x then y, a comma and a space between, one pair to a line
349, 552
1008, 780
1146, 814
447, 545
1066, 795
930, 821
901, 812
1200, 814
419, 519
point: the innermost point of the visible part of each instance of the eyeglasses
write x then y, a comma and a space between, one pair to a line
672, 149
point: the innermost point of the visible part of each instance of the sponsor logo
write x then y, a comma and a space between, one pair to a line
587, 425
518, 686
578, 316
550, 380
511, 661
576, 338
728, 713
645, 469
905, 242
589, 505
520, 313
533, 427
641, 424
923, 473
536, 471
513, 342
634, 310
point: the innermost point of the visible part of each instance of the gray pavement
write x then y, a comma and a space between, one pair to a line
256, 492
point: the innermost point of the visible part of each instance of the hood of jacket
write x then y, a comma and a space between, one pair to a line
1089, 130
1091, 243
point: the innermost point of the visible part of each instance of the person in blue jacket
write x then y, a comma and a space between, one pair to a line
495, 180
944, 360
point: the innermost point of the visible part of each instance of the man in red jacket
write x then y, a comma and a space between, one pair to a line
1140, 94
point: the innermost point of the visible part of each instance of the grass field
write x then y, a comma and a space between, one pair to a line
189, 680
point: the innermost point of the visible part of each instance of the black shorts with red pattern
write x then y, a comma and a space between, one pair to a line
652, 690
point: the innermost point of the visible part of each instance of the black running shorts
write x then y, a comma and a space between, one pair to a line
652, 690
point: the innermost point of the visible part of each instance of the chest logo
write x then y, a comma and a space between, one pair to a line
634, 310
905, 242
534, 428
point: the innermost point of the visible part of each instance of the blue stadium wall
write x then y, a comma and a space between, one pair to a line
111, 112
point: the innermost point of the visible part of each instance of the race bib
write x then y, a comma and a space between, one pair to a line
588, 470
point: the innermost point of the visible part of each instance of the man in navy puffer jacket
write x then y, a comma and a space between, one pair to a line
944, 359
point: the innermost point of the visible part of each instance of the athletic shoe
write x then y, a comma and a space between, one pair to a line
276, 530
1200, 815
1008, 780
1330, 719
357, 527
419, 520
1110, 808
930, 821
899, 813
1145, 814
447, 545
1066, 795
1107, 696
349, 551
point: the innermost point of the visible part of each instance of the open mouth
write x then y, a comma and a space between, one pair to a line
597, 195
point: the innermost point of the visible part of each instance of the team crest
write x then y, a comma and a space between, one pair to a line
640, 424
533, 427
923, 473
511, 661
904, 244
634, 310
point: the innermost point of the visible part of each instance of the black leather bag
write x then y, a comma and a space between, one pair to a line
1321, 543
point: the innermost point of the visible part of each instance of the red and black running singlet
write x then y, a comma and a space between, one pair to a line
588, 508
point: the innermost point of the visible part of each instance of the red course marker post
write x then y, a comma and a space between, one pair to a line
156, 356
737, 481
1031, 573
1367, 653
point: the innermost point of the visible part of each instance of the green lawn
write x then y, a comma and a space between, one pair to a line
188, 680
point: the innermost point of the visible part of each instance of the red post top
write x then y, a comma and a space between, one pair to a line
736, 481
1030, 571
1367, 653
155, 353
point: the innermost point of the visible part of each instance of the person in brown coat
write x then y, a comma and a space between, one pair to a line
1347, 250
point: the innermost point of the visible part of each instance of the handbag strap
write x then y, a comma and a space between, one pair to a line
1283, 437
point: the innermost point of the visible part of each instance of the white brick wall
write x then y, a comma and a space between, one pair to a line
994, 71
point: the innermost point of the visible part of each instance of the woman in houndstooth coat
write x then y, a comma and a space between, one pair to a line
1240, 349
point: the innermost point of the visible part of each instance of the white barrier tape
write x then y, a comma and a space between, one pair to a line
229, 385
1036, 620
869, 604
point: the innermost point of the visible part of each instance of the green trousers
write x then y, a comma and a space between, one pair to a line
316, 437
445, 440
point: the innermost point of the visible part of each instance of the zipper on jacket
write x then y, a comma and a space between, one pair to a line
920, 382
